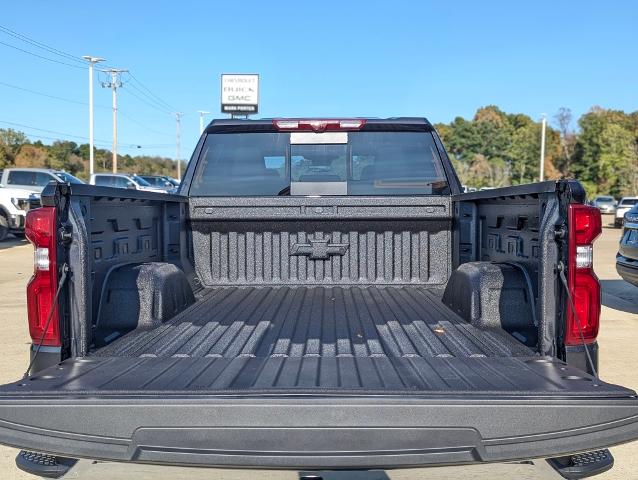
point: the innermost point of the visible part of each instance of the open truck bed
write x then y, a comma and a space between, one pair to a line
288, 362
316, 331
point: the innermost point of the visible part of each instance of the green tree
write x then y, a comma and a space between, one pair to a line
60, 154
606, 152
10, 143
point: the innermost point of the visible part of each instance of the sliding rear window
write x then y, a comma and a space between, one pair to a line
354, 163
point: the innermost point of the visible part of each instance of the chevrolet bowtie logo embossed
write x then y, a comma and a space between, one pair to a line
319, 249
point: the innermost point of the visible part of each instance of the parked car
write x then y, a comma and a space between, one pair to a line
625, 204
123, 180
161, 181
627, 257
14, 204
34, 179
319, 298
605, 204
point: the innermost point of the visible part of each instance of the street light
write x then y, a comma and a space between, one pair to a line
201, 120
92, 61
542, 169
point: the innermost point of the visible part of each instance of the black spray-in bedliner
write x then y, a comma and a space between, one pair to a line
317, 321
372, 338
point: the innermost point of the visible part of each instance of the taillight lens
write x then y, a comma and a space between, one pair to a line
584, 227
319, 125
40, 228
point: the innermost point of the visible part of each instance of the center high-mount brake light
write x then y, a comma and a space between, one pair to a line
319, 125
40, 228
584, 227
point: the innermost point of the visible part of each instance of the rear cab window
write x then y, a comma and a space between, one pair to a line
356, 163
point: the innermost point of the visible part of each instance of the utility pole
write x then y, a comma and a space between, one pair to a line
178, 117
114, 84
542, 169
201, 120
92, 61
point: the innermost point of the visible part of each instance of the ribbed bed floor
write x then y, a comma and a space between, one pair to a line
316, 321
377, 339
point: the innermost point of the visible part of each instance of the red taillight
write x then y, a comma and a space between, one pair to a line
319, 125
584, 227
40, 228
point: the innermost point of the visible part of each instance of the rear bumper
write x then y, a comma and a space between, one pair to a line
627, 269
315, 433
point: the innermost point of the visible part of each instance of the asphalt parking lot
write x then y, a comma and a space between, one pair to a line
618, 337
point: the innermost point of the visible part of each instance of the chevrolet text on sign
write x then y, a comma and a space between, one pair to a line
240, 93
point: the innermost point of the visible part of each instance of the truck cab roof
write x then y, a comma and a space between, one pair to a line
222, 125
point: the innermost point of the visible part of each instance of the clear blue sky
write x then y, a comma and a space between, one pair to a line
319, 58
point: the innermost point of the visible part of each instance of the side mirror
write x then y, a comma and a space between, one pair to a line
131, 186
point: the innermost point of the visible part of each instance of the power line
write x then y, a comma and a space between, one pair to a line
168, 105
41, 56
21, 125
99, 143
62, 99
41, 45
77, 102
152, 105
125, 115
146, 96
145, 91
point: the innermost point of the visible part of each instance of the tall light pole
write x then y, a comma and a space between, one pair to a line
92, 61
178, 117
114, 84
542, 169
201, 120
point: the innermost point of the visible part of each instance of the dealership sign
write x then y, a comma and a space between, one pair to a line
240, 93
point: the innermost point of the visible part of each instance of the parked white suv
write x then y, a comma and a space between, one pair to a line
14, 204
625, 204
123, 180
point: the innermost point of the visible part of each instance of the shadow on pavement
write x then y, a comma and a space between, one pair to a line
608, 222
12, 242
620, 295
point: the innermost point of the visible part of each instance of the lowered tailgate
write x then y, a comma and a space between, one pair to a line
64, 410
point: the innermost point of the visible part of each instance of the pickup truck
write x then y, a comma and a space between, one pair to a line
34, 179
14, 204
319, 297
